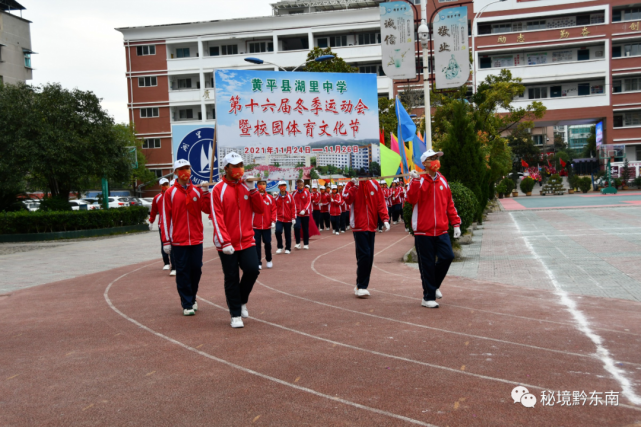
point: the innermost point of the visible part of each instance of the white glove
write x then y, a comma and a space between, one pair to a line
151, 226
205, 189
166, 249
354, 181
302, 212
457, 232
414, 175
386, 226
273, 225
228, 250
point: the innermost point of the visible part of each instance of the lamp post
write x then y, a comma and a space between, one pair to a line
423, 35
474, 34
259, 61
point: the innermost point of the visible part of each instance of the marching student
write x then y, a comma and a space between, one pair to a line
366, 204
344, 214
324, 204
285, 215
383, 186
335, 211
395, 198
303, 208
263, 225
316, 213
182, 233
434, 211
234, 203
156, 209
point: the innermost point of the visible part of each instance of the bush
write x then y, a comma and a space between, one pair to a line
47, 222
617, 182
637, 181
527, 184
55, 204
509, 184
501, 188
407, 216
585, 183
466, 205
574, 182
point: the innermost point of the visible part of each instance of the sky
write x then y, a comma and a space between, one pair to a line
78, 46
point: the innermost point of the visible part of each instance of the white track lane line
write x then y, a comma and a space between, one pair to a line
583, 325
589, 356
250, 371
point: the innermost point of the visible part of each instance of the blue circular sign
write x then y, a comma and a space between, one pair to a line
196, 147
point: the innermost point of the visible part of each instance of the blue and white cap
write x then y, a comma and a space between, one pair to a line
430, 153
181, 163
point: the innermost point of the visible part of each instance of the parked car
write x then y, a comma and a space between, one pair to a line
77, 205
31, 205
118, 202
147, 201
93, 204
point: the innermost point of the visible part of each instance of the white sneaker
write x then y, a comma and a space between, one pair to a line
243, 311
188, 312
237, 322
355, 290
297, 246
279, 251
195, 306
306, 247
260, 267
166, 267
380, 231
439, 295
429, 304
342, 231
173, 273
270, 264
287, 252
395, 222
362, 293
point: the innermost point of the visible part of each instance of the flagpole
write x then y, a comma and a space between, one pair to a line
426, 82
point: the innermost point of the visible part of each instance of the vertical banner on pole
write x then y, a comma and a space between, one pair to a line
105, 193
397, 40
451, 50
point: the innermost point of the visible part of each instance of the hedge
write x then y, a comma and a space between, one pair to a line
49, 222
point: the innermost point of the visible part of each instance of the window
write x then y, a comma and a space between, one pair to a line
257, 47
295, 43
184, 84
151, 143
147, 81
632, 49
214, 51
501, 28
536, 25
369, 38
596, 89
638, 150
182, 52
485, 29
584, 89
27, 59
617, 121
598, 18
146, 50
156, 172
617, 86
583, 20
372, 69
323, 42
537, 92
486, 62
616, 15
556, 91
230, 49
148, 112
337, 41
616, 51
186, 114
583, 54
632, 118
538, 139
630, 85
632, 14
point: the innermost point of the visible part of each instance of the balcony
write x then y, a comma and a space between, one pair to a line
184, 51
186, 113
184, 88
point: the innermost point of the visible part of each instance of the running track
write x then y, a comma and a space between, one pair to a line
113, 349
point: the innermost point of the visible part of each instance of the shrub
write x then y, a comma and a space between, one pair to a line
47, 222
407, 216
574, 182
466, 205
509, 184
617, 182
501, 188
637, 181
527, 184
55, 204
585, 183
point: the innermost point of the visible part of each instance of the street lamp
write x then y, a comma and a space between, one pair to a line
259, 61
474, 34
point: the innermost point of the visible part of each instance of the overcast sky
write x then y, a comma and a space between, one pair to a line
78, 47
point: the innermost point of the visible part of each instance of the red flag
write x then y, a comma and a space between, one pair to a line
381, 136
549, 164
562, 162
525, 165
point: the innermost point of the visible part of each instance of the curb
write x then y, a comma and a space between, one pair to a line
36, 237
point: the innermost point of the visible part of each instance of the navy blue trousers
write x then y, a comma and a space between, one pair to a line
433, 270
364, 241
188, 263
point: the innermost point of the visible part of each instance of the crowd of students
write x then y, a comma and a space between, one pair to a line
243, 215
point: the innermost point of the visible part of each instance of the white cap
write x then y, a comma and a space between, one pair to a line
322, 187
232, 159
314, 185
171, 183
281, 183
382, 181
430, 153
180, 163
163, 181
307, 186
334, 187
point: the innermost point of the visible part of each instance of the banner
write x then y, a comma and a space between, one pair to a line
194, 143
279, 121
397, 40
451, 51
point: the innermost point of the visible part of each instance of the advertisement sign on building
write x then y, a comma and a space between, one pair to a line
451, 51
279, 121
397, 40
599, 135
194, 143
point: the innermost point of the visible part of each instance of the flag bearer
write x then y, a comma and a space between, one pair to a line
303, 201
285, 215
156, 209
263, 225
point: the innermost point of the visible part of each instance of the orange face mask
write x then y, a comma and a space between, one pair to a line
164, 188
435, 165
184, 175
282, 188
237, 173
262, 187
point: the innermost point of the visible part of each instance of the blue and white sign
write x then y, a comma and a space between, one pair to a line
194, 143
451, 49
397, 40
599, 134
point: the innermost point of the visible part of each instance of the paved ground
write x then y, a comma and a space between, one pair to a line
112, 348
569, 201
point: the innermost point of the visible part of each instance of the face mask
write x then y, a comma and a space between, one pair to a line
262, 187
237, 173
282, 188
435, 165
164, 188
334, 191
184, 175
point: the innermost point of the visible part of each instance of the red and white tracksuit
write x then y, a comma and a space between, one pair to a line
285, 208
366, 203
264, 221
233, 205
336, 202
324, 202
156, 209
434, 208
303, 201
316, 197
182, 223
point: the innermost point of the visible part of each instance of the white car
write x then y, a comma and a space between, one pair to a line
118, 202
92, 204
32, 205
75, 204
147, 201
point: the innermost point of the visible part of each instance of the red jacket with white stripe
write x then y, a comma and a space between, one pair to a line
316, 197
303, 201
336, 201
366, 204
324, 203
396, 195
182, 222
156, 209
233, 205
285, 208
434, 207
387, 192
264, 221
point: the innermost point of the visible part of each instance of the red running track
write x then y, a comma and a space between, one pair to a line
114, 349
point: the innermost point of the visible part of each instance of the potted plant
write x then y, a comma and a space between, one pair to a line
527, 184
585, 183
501, 189
637, 182
509, 186
573, 180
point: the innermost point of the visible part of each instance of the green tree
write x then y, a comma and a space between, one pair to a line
336, 65
126, 136
312, 161
375, 169
590, 148
522, 144
313, 174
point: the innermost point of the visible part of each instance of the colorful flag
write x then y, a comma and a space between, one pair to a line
393, 144
389, 162
562, 162
419, 147
406, 132
525, 165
